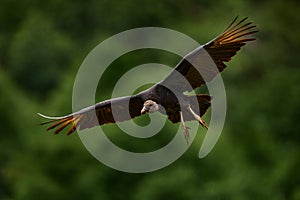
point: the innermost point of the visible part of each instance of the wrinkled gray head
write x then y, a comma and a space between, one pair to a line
149, 106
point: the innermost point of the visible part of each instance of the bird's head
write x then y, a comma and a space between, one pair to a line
149, 106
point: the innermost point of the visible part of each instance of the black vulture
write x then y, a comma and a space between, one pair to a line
167, 95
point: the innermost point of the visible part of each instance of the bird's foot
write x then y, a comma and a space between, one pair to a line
202, 122
185, 129
186, 133
198, 118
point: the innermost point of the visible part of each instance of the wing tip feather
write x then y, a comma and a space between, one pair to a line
60, 123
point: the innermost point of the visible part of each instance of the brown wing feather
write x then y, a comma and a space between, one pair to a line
110, 111
220, 50
225, 46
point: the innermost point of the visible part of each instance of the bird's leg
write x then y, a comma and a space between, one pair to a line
197, 117
185, 129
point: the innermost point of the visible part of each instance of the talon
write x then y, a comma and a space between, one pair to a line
185, 129
186, 133
203, 123
198, 118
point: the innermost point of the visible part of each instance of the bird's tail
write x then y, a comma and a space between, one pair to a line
204, 102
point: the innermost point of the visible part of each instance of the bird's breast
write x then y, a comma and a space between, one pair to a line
168, 101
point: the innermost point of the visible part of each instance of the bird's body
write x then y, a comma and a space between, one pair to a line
167, 96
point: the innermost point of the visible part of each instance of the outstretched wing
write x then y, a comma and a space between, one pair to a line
220, 50
110, 111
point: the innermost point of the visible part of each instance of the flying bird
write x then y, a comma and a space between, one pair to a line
167, 96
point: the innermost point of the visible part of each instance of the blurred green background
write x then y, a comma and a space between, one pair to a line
42, 44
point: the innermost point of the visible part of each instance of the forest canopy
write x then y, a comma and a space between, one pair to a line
42, 45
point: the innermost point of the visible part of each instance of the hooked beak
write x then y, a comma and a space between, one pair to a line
144, 110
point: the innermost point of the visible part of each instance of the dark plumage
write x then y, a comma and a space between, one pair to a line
166, 95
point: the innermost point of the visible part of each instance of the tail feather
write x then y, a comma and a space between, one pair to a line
204, 102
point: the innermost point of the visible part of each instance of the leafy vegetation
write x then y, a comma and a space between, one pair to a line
42, 45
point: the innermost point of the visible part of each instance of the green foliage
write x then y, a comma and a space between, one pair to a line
41, 46
39, 54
